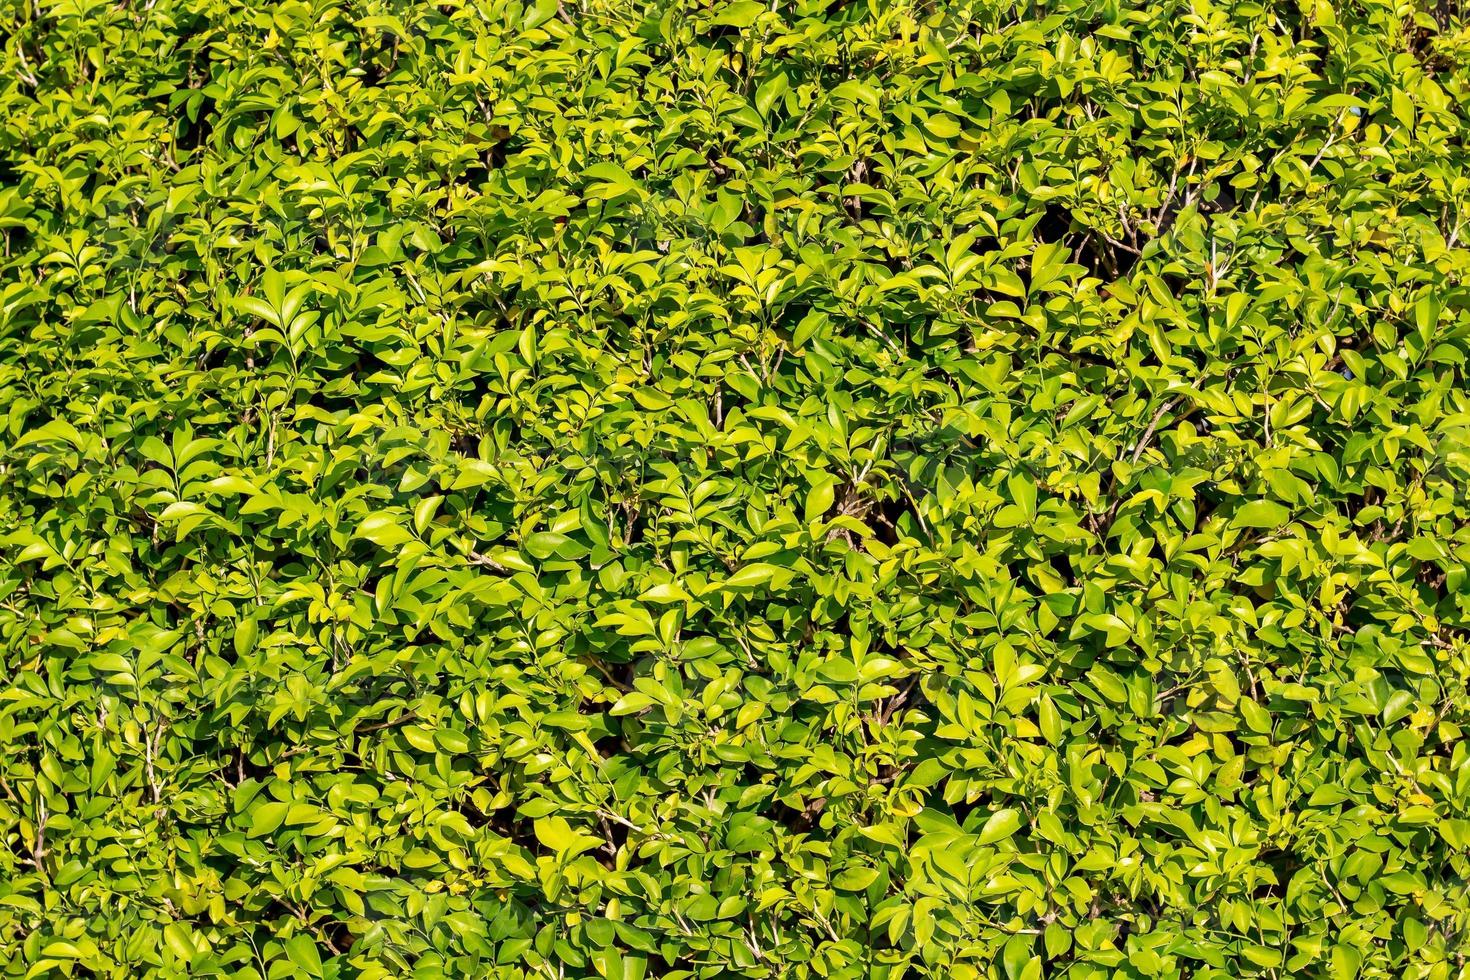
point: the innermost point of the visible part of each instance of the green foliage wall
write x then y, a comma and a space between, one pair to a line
796, 489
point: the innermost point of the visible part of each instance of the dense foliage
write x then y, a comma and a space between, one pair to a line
793, 489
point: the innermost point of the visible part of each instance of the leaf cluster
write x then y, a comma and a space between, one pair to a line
810, 489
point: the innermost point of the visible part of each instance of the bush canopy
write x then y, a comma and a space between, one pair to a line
796, 489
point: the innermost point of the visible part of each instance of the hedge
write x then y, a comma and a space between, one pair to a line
796, 489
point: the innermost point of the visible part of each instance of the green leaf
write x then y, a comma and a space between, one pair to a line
753, 576
557, 835
1261, 513
543, 544
854, 879
820, 497
739, 13
609, 181
264, 818
1001, 825
302, 951
383, 529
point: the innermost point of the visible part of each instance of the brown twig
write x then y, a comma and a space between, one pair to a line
1153, 426
403, 719
485, 561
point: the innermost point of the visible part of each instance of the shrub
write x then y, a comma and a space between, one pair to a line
817, 488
